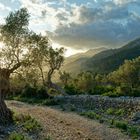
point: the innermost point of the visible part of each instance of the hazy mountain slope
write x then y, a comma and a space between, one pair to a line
73, 63
112, 59
104, 61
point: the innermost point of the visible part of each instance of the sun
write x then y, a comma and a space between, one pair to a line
68, 51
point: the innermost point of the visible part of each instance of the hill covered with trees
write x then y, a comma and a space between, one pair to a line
105, 61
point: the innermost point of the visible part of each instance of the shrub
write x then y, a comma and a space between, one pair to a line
121, 125
42, 93
134, 131
49, 102
31, 125
99, 90
120, 112
71, 90
91, 115
110, 111
111, 94
28, 123
29, 91
48, 138
53, 91
17, 136
20, 118
135, 92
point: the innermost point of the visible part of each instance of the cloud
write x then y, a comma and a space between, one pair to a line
3, 7
84, 24
109, 24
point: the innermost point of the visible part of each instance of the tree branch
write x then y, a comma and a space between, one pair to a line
16, 66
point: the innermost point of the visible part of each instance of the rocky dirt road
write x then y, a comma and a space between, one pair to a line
61, 125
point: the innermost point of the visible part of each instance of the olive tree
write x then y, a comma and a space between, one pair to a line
46, 58
14, 53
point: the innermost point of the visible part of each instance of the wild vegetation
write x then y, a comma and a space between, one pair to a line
28, 64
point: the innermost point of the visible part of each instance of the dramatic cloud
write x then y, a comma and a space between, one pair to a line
84, 24
109, 24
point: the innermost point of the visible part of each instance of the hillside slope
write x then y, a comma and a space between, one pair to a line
74, 63
105, 61
110, 60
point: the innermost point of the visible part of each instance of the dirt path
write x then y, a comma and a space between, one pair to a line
67, 126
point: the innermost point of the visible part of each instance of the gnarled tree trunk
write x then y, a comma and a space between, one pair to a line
49, 77
5, 113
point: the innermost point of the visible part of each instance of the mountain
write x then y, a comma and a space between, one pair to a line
104, 61
73, 63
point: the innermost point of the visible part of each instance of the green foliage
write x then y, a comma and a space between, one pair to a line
120, 112
34, 92
135, 92
42, 93
29, 91
64, 77
48, 138
71, 90
91, 115
111, 94
121, 125
49, 102
105, 61
17, 136
117, 112
110, 111
134, 131
99, 90
29, 124
52, 91
128, 73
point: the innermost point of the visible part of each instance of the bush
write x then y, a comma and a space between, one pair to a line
99, 90
29, 91
111, 94
121, 125
71, 90
110, 111
17, 136
91, 115
134, 131
42, 93
49, 102
118, 112
135, 92
53, 91
28, 123
31, 125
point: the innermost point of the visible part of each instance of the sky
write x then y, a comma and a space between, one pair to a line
79, 25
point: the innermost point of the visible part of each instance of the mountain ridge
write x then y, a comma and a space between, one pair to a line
104, 61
